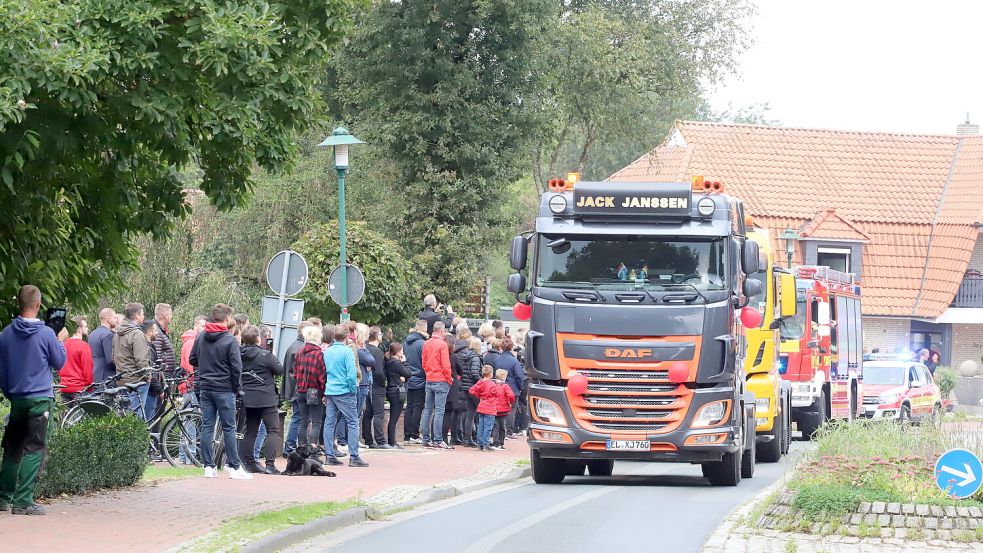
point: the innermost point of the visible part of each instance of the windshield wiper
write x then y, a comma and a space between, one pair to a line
695, 289
600, 296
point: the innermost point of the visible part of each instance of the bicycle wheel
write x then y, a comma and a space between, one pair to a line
85, 410
179, 438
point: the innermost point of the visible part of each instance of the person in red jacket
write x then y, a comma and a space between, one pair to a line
506, 398
76, 374
437, 366
485, 390
187, 388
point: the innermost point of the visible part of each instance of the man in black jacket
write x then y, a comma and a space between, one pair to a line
377, 438
430, 314
290, 388
218, 380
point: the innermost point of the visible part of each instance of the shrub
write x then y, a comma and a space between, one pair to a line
105, 452
945, 377
817, 502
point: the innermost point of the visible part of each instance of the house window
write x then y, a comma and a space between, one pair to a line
834, 258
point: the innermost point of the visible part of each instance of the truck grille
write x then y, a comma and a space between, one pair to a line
635, 426
593, 386
645, 401
622, 414
656, 376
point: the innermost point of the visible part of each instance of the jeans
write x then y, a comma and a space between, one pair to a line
485, 424
255, 418
365, 412
414, 409
310, 422
378, 413
221, 405
395, 409
260, 438
433, 411
291, 443
191, 442
346, 405
138, 401
149, 407
470, 418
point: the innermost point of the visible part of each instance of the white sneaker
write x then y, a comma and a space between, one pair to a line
209, 472
240, 474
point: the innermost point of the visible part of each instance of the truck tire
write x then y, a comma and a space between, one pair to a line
575, 468
771, 451
787, 425
809, 423
750, 454
725, 472
547, 471
603, 467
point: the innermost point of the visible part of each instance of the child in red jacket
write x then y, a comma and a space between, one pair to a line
485, 390
505, 400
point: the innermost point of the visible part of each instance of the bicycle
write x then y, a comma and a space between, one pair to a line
101, 399
179, 435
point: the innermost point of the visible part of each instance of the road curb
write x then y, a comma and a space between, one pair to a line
717, 542
292, 536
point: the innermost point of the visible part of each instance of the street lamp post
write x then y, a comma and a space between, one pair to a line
790, 236
341, 139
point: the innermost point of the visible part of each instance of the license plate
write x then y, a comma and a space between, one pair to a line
629, 445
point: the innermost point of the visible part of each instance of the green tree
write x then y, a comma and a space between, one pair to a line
618, 72
102, 102
440, 86
391, 291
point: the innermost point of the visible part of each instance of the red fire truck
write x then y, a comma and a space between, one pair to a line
821, 350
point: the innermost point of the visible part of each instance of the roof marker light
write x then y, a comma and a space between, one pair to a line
558, 204
706, 206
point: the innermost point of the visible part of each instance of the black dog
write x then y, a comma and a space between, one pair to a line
303, 462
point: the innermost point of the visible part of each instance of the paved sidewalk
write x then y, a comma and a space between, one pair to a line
156, 517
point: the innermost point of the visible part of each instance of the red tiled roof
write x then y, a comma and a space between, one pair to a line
910, 197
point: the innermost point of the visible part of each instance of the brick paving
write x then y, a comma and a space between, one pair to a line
159, 516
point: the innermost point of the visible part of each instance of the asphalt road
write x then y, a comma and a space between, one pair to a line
642, 507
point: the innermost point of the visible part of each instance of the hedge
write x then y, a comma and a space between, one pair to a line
105, 452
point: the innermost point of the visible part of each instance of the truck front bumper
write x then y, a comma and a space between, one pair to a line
574, 442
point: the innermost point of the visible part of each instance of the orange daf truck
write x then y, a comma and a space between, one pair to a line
635, 293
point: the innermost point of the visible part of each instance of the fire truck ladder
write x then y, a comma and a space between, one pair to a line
822, 272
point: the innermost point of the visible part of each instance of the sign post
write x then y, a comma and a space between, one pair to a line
959, 473
286, 275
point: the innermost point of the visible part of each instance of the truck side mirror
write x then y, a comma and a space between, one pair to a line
786, 283
752, 287
517, 283
518, 253
822, 313
749, 257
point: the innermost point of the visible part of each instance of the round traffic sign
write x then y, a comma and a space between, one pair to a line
356, 285
286, 273
959, 473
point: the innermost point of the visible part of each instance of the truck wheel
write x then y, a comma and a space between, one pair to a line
809, 423
750, 454
603, 467
725, 472
547, 471
574, 468
771, 451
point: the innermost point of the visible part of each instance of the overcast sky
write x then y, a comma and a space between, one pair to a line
871, 65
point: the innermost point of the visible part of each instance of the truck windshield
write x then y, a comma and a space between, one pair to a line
632, 262
794, 327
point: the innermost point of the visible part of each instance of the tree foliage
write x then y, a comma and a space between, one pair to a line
440, 86
390, 285
102, 102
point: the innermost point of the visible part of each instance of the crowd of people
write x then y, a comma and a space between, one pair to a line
450, 388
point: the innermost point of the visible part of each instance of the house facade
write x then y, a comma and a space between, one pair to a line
903, 212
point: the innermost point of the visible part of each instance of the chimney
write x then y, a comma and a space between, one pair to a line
967, 128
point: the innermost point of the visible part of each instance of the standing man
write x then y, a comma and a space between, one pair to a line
131, 353
378, 394
290, 387
216, 354
437, 365
429, 312
101, 343
76, 374
29, 351
415, 386
187, 387
340, 397
163, 315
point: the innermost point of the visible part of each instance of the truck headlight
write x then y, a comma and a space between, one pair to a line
549, 412
762, 404
711, 414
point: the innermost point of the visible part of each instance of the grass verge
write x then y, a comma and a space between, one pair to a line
233, 534
155, 473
